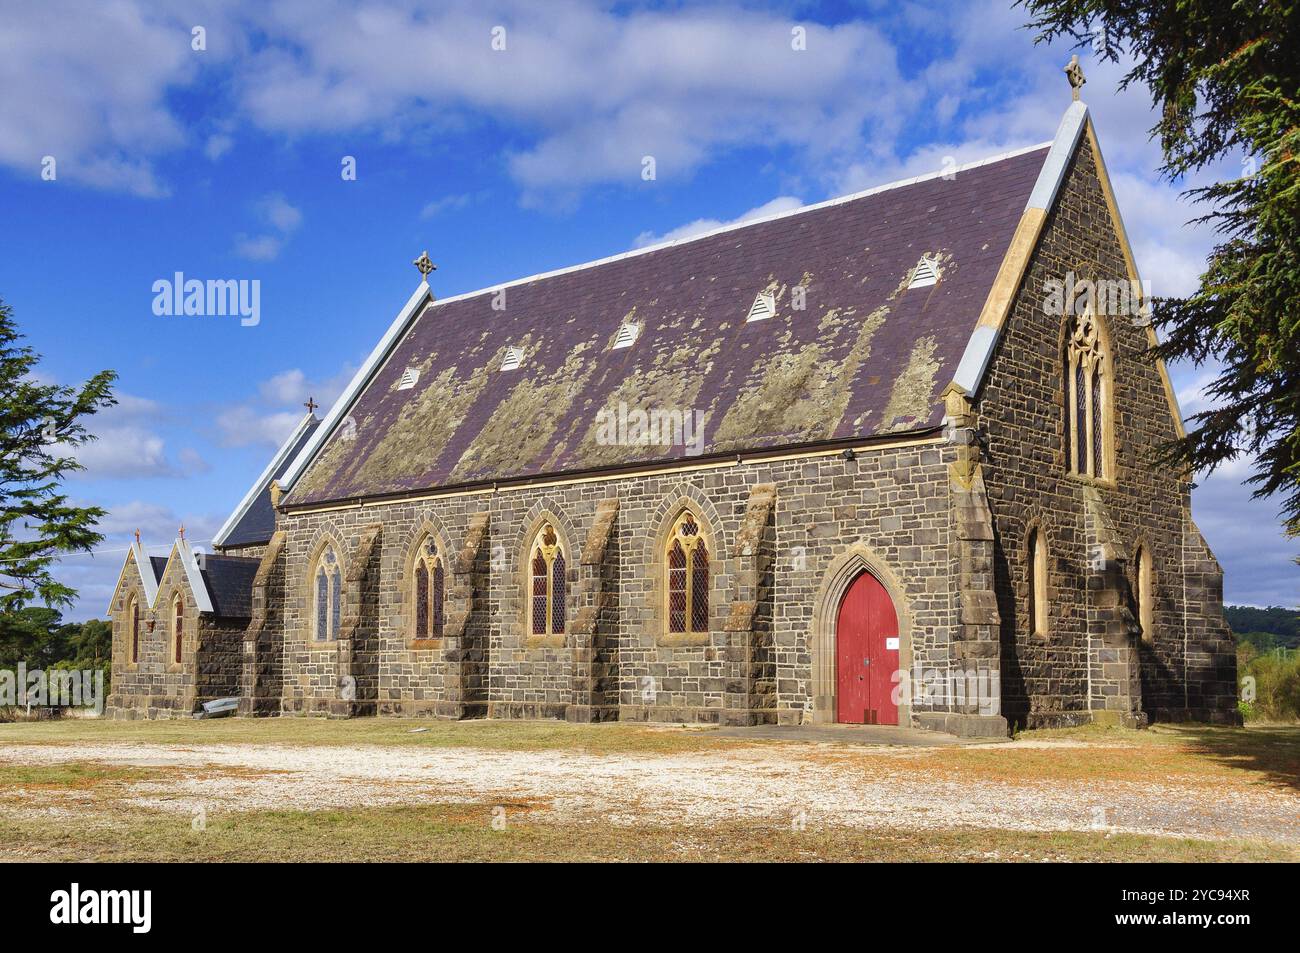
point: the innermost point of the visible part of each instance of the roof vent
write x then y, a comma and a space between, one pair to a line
409, 377
626, 335
514, 356
926, 274
764, 306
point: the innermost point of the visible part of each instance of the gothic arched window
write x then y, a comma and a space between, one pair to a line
687, 567
178, 626
1088, 393
1145, 609
327, 595
547, 583
133, 628
1038, 604
429, 590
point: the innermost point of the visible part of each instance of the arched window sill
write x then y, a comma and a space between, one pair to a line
423, 644
680, 639
544, 642
1103, 482
322, 644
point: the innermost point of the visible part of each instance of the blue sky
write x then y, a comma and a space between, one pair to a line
225, 162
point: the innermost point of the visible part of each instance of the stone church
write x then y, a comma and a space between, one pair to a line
885, 460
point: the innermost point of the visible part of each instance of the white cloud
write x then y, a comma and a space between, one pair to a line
285, 387
275, 212
244, 426
279, 213
124, 452
258, 247
783, 203
450, 203
217, 146
595, 91
156, 522
129, 444
87, 85
270, 419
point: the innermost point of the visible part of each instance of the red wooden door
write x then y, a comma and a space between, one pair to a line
866, 655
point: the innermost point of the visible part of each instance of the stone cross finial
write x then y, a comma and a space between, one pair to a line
311, 405
1074, 73
137, 537
181, 531
424, 265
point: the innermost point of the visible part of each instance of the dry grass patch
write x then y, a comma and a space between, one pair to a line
1162, 754
606, 738
464, 833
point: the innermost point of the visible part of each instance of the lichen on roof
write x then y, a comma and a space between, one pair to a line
850, 352
799, 396
913, 396
524, 424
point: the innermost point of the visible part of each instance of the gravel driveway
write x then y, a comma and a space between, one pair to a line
785, 784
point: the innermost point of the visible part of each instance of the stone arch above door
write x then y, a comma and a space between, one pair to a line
836, 579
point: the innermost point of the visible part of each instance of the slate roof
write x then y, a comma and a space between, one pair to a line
158, 564
866, 356
256, 523
229, 581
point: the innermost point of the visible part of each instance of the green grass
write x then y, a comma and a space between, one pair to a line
72, 775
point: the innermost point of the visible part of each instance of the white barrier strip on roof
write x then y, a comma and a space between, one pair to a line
979, 349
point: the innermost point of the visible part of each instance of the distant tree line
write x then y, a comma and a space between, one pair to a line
39, 638
1265, 629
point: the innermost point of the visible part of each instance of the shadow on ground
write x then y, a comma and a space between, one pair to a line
1271, 750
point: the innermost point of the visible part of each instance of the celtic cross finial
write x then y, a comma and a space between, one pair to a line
425, 265
1074, 73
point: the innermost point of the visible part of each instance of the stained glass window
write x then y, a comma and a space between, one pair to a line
322, 606
676, 587
549, 584
438, 582
557, 593
135, 630
687, 566
1087, 398
421, 601
336, 602
178, 625
1098, 469
539, 593
328, 596
428, 593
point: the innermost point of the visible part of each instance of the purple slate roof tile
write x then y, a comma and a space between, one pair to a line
864, 356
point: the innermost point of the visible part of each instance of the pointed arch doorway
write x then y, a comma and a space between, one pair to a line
866, 654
